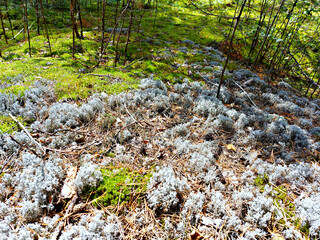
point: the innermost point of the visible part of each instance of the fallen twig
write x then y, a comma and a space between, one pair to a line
133, 62
69, 212
8, 160
246, 94
28, 134
99, 75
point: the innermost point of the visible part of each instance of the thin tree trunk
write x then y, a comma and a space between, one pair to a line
140, 20
288, 44
103, 26
258, 29
3, 28
80, 19
74, 21
267, 34
155, 16
129, 31
114, 29
45, 25
38, 17
73, 26
9, 18
115, 20
27, 24
116, 57
230, 45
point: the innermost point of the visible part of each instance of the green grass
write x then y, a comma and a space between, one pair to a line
61, 68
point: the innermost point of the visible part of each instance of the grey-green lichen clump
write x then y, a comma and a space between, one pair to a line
233, 167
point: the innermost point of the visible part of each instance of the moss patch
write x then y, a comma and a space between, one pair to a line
7, 125
119, 186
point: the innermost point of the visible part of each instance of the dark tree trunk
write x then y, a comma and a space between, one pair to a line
3, 28
73, 26
103, 27
80, 19
26, 25
38, 17
115, 20
45, 25
9, 17
129, 31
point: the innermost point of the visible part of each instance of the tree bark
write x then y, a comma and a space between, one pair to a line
103, 27
9, 18
27, 24
80, 19
38, 17
73, 26
3, 28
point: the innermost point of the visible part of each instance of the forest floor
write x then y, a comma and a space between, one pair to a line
163, 161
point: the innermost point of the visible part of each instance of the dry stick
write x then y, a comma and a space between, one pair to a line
229, 50
7, 161
303, 73
26, 24
246, 94
315, 89
69, 212
3, 28
26, 131
133, 62
9, 18
72, 209
99, 75
208, 13
45, 25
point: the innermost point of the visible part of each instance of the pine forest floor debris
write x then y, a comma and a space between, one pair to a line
163, 161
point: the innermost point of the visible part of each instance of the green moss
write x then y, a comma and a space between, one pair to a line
261, 181
17, 90
305, 229
119, 186
7, 125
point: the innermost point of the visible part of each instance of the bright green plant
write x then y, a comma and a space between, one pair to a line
119, 186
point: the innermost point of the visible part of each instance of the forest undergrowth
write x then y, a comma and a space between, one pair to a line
164, 161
